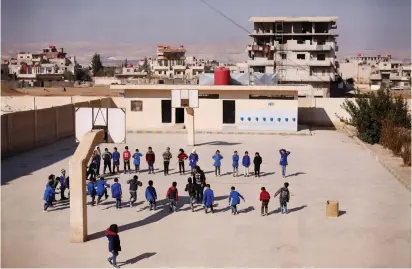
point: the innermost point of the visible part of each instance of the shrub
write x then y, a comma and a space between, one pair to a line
368, 111
397, 139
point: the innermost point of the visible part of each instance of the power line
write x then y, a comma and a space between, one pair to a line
244, 29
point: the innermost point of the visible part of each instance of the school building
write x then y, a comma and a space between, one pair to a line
254, 108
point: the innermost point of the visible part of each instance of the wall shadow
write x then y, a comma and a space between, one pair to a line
218, 143
315, 117
26, 163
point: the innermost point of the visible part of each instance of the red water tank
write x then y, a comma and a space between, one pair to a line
222, 76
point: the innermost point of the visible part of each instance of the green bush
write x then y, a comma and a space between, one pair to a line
368, 111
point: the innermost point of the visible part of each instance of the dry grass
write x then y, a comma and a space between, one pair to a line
397, 139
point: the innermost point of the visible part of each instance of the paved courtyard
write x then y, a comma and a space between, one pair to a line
372, 231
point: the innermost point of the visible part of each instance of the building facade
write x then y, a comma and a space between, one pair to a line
297, 49
50, 64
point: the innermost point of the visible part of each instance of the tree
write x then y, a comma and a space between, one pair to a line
83, 75
69, 76
146, 66
369, 110
97, 66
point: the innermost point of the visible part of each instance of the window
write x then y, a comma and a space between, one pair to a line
136, 105
301, 56
28, 57
321, 57
283, 55
127, 70
208, 96
272, 97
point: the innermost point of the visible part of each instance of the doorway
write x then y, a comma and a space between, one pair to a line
180, 115
229, 111
166, 111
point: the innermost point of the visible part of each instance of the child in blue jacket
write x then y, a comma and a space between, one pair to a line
116, 160
234, 200
284, 161
91, 189
48, 196
193, 160
101, 189
246, 164
151, 195
208, 199
235, 164
114, 244
117, 192
217, 157
136, 160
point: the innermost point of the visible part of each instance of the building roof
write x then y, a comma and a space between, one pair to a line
293, 19
276, 89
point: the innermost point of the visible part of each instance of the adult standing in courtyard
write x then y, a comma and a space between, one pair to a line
200, 183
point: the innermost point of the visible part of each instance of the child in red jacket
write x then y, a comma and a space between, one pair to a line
126, 159
173, 196
264, 197
182, 156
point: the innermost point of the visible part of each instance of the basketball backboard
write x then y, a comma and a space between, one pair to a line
111, 120
185, 98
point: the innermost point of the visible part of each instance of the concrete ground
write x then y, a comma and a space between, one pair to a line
372, 231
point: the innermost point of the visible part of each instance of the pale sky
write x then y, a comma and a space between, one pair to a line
131, 28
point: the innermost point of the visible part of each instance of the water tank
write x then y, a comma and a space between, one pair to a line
222, 76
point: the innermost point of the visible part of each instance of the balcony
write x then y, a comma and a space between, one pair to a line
197, 67
315, 77
293, 46
261, 33
160, 67
375, 77
260, 61
398, 77
179, 67
315, 62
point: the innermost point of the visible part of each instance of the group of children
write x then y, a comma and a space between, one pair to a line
49, 195
208, 201
109, 158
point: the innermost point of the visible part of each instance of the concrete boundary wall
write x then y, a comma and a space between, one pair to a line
26, 130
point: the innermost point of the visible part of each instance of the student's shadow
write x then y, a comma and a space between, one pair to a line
137, 258
265, 174
296, 174
291, 210
246, 210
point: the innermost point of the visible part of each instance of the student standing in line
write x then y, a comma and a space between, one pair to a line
92, 169
99, 152
133, 185
151, 195
116, 160
150, 159
246, 164
97, 158
284, 197
193, 160
136, 160
173, 196
126, 159
91, 189
235, 164
48, 196
191, 190
264, 198
257, 161
208, 199
217, 157
181, 158
114, 244
63, 184
167, 156
101, 189
234, 200
284, 161
107, 161
117, 192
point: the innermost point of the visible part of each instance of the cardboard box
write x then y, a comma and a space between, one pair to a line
332, 208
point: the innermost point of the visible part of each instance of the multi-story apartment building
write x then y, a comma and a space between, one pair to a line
169, 63
50, 64
299, 50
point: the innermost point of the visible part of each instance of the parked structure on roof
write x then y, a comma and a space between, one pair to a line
299, 50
